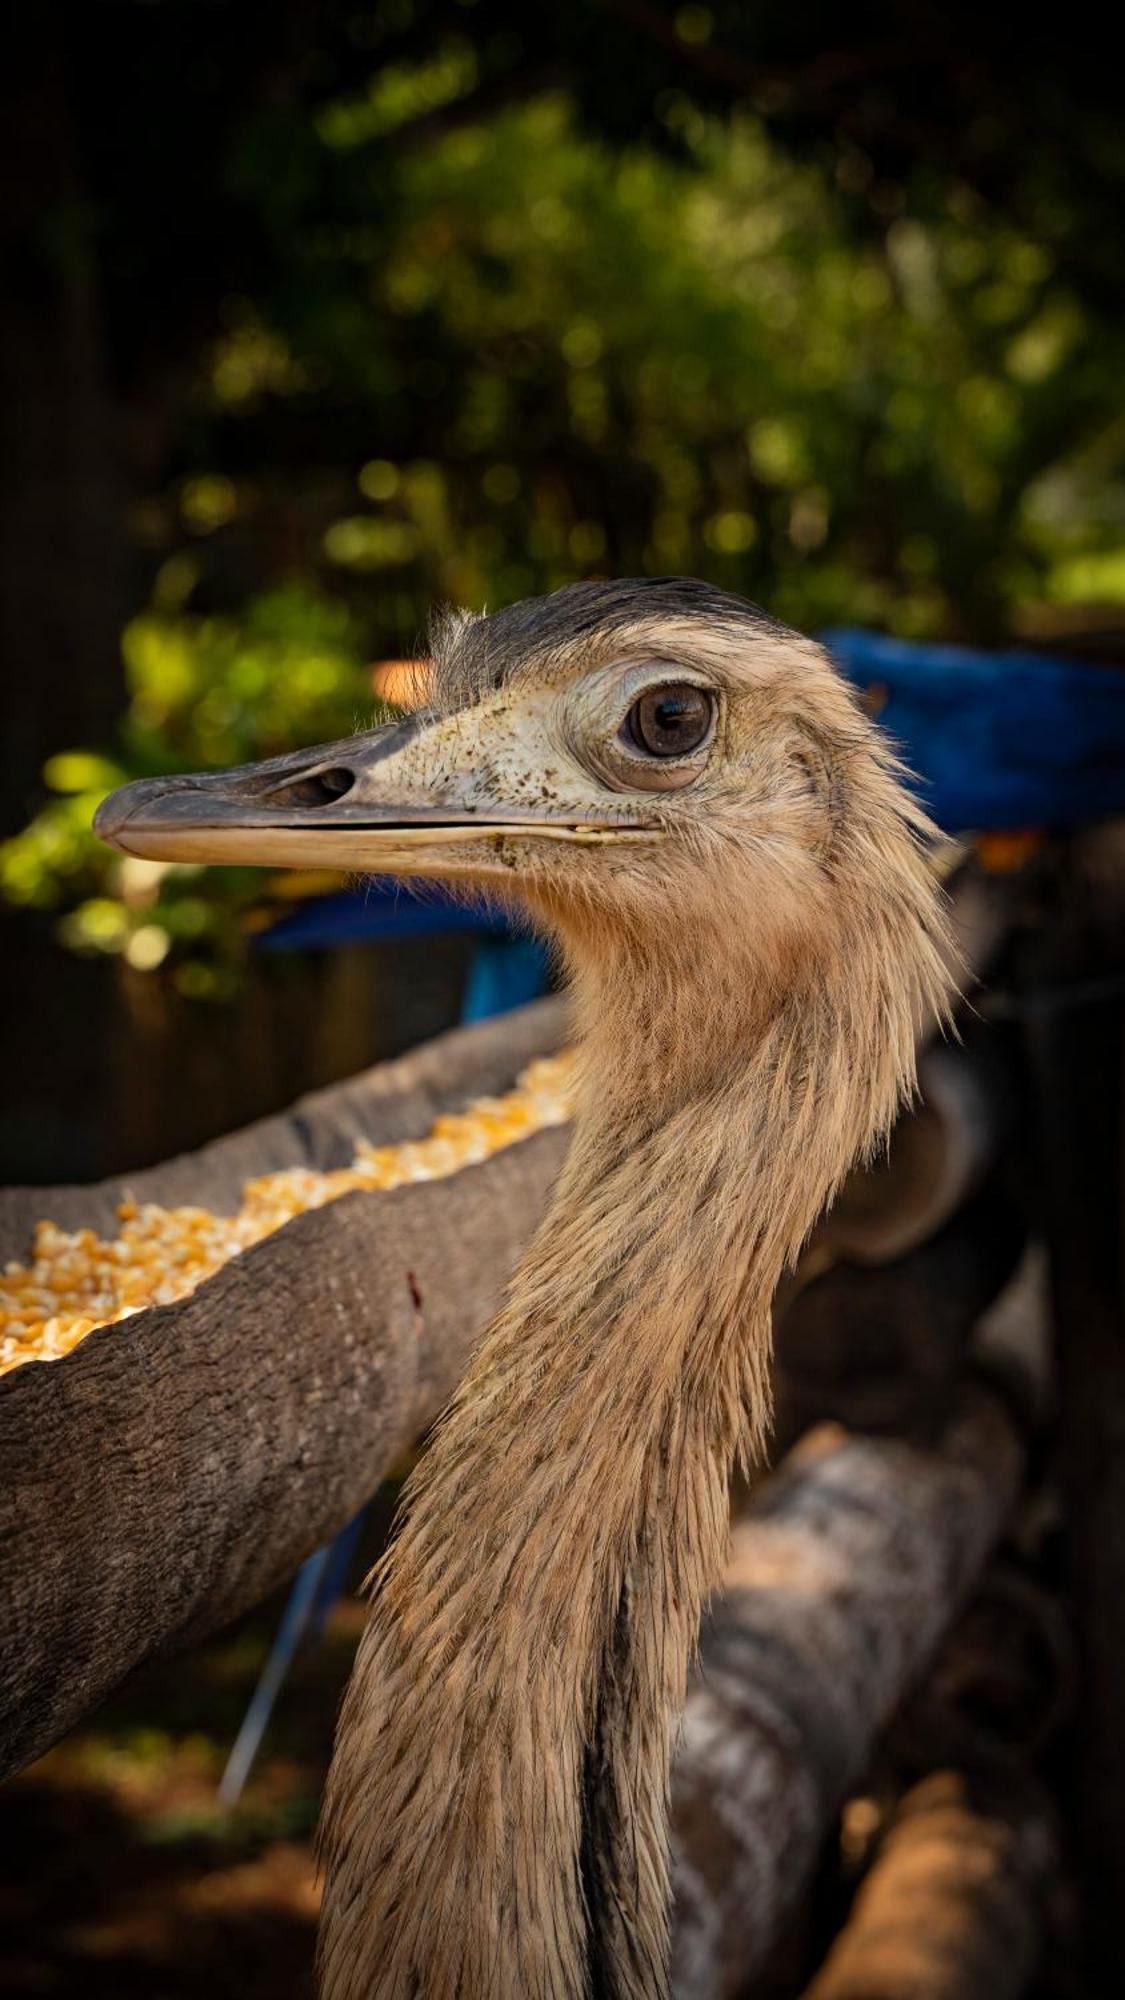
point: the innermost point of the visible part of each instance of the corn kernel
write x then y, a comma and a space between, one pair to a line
78, 1281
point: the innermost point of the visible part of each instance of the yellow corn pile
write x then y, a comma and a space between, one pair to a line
76, 1282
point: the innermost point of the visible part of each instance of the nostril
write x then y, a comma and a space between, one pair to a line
319, 788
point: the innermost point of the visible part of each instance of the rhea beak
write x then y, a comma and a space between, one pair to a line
387, 802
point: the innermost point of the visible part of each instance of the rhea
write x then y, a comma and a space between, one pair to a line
686, 798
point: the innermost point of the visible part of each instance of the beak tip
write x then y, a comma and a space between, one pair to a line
111, 816
136, 807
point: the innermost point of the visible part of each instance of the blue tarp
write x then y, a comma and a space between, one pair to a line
374, 910
997, 740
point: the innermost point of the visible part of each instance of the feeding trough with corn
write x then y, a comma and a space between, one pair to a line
78, 1281
199, 1392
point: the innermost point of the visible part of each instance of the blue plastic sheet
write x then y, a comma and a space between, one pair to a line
996, 740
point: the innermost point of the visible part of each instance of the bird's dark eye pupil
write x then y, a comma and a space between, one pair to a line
671, 721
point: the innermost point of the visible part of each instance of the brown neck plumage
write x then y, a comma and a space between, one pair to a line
496, 1818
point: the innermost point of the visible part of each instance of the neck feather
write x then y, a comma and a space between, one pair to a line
496, 1817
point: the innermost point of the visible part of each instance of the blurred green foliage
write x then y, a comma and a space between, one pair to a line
203, 692
487, 347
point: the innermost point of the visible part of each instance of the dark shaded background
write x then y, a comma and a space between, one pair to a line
316, 313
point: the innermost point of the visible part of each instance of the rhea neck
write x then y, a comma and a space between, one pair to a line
496, 1820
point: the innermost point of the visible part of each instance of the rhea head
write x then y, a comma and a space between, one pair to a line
645, 762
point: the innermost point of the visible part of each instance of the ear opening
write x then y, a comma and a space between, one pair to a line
817, 770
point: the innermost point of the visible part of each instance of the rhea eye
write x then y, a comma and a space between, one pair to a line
671, 721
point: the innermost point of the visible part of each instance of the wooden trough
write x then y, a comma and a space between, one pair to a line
165, 1474
170, 1470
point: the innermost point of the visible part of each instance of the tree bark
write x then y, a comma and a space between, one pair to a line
844, 1576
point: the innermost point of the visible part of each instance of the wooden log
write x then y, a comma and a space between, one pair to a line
844, 1575
170, 1470
962, 1892
393, 1101
883, 1348
937, 1158
1001, 1687
952, 1907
